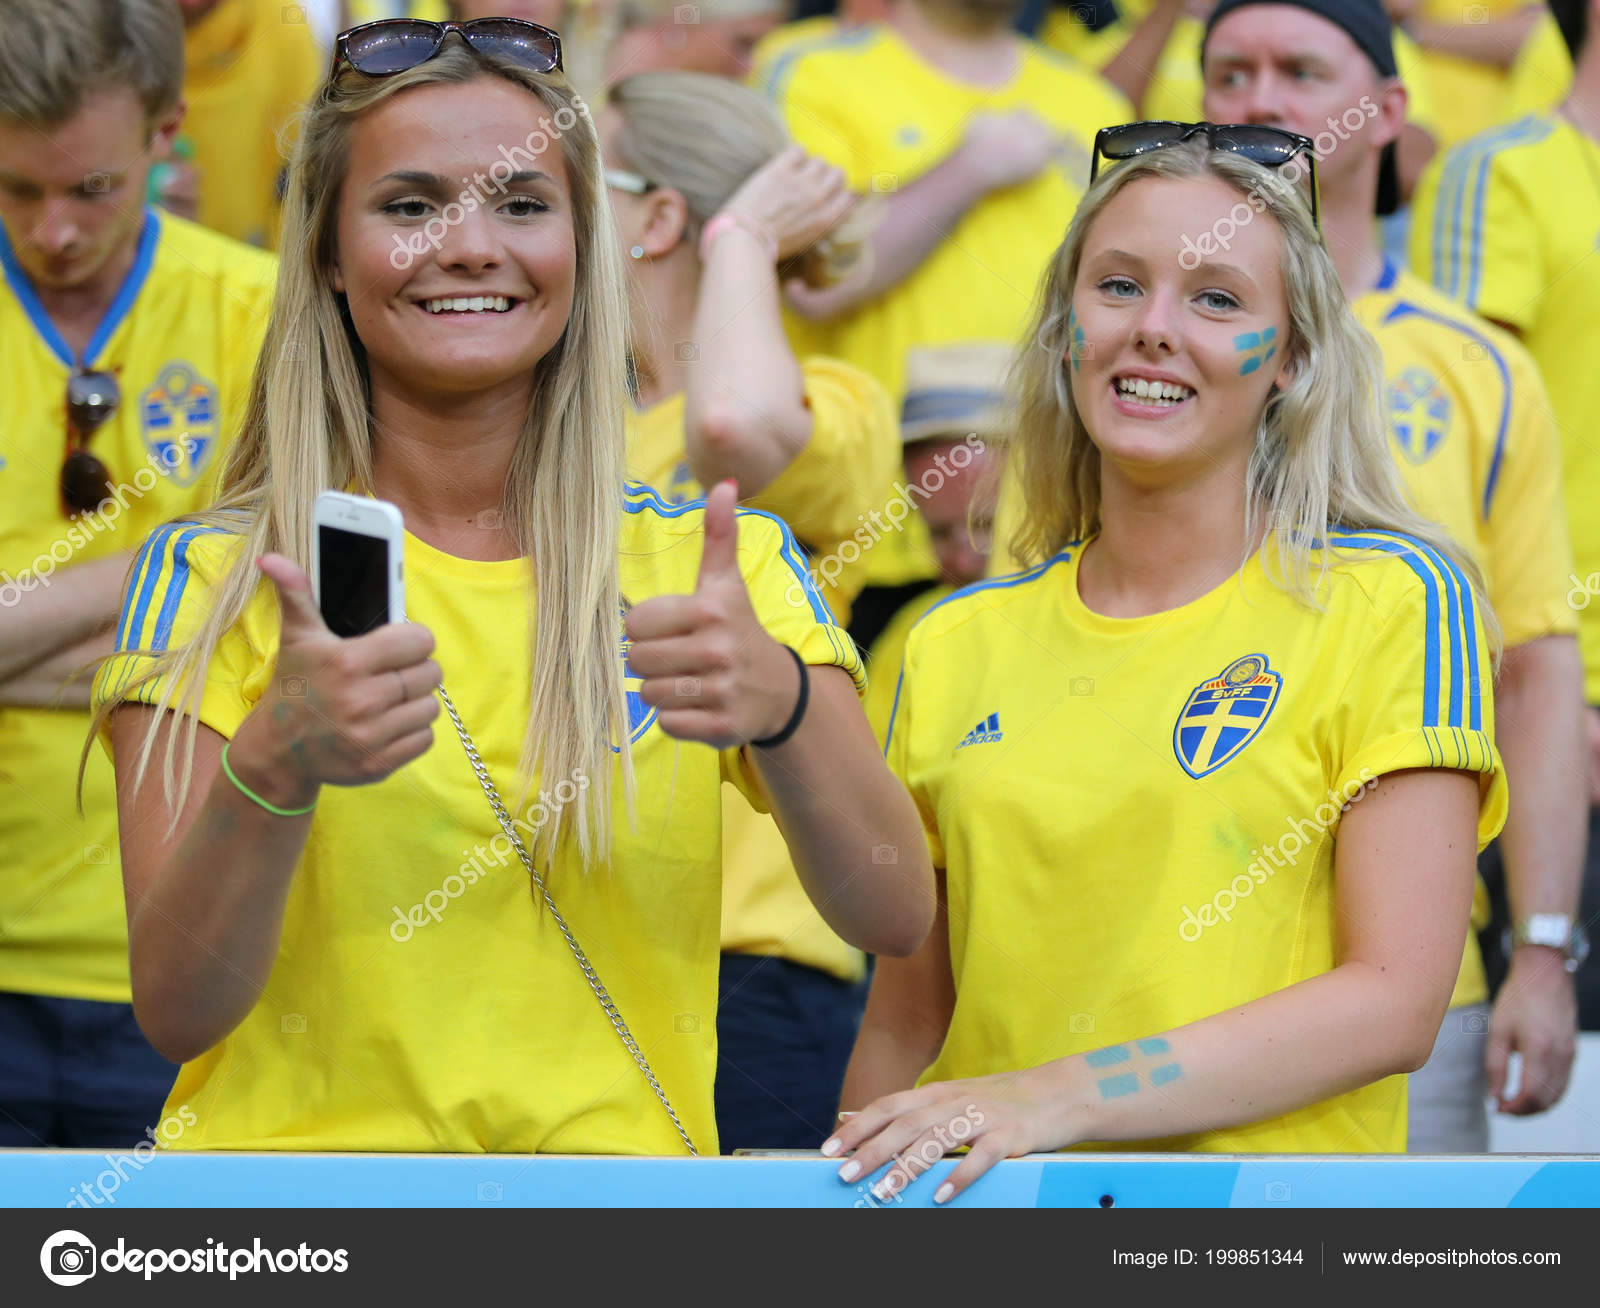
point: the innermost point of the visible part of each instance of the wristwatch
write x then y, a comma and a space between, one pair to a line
1555, 931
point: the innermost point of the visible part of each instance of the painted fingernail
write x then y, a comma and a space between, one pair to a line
831, 1146
850, 1171
943, 1193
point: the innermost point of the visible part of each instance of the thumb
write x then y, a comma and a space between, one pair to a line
296, 605
721, 555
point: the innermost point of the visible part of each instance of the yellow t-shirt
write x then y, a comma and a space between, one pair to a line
182, 338
1134, 815
1476, 445
466, 1026
864, 101
1467, 95
249, 73
1541, 74
822, 495
1509, 224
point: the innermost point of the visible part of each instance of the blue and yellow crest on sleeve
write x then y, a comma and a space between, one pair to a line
640, 714
178, 419
1224, 714
1419, 413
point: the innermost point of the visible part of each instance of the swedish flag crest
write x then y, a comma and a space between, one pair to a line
640, 714
178, 418
1224, 714
1419, 414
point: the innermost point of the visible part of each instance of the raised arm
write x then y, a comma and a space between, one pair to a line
1404, 866
206, 903
42, 619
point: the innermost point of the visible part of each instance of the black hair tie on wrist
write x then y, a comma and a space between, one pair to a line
790, 726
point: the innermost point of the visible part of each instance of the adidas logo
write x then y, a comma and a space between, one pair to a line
985, 733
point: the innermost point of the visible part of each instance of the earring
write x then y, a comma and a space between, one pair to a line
637, 252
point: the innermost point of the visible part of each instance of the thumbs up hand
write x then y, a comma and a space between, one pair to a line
708, 666
341, 712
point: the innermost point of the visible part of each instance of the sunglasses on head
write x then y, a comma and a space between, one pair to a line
92, 398
393, 45
1272, 147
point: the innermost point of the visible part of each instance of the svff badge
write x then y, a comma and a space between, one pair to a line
178, 420
1224, 714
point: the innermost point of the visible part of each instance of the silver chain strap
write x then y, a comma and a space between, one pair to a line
590, 975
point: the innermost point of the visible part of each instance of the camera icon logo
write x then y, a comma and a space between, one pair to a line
97, 183
686, 687
686, 14
1474, 351
685, 351
96, 855
295, 686
885, 854
1081, 1024
67, 1258
1475, 1023
1080, 686
885, 183
490, 1192
686, 1024
1475, 14
293, 14
489, 520
292, 1024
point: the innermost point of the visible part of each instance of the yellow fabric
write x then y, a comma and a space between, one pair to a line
1472, 434
1467, 95
864, 101
248, 73
1063, 32
182, 350
476, 1032
783, 38
1541, 75
883, 660
1509, 223
1084, 857
853, 451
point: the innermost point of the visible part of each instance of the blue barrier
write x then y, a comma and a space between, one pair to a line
86, 1179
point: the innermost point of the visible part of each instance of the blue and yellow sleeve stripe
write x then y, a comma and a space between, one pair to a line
1455, 667
1458, 206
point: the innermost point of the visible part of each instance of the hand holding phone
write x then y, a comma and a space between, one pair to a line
357, 562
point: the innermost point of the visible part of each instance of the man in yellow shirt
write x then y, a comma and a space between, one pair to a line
127, 341
251, 66
1509, 223
1476, 447
975, 144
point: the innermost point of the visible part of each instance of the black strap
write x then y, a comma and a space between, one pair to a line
799, 706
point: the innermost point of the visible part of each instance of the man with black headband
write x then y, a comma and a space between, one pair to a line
1477, 449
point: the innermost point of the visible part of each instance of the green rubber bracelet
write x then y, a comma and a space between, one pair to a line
255, 798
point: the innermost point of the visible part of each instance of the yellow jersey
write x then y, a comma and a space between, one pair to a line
421, 1001
823, 496
182, 337
251, 65
1509, 224
1541, 74
1137, 817
1467, 95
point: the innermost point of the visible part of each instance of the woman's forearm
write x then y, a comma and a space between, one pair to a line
1287, 1050
204, 932
907, 1019
851, 828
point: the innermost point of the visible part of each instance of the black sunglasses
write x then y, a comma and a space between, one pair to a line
92, 397
393, 45
1272, 147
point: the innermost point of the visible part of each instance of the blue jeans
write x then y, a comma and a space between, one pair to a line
784, 1035
76, 1074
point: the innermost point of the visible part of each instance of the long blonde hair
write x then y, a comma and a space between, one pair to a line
1321, 457
703, 136
307, 428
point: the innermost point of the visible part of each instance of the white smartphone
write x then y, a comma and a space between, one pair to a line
357, 562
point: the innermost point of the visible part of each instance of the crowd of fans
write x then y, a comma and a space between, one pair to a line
885, 270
